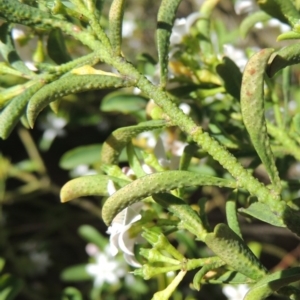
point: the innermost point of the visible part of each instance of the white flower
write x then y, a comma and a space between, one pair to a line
106, 268
249, 6
120, 235
244, 6
235, 292
82, 170
182, 27
185, 108
17, 33
128, 26
40, 260
163, 146
120, 238
235, 54
53, 127
281, 26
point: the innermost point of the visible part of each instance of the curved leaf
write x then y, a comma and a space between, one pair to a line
121, 102
154, 184
75, 273
115, 18
251, 20
115, 143
87, 155
165, 20
8, 51
68, 85
233, 82
190, 220
92, 235
272, 283
232, 250
252, 105
12, 113
287, 56
90, 185
56, 47
283, 10
262, 212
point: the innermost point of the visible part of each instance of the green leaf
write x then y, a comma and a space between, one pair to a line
272, 283
231, 214
82, 155
8, 50
75, 273
212, 265
2, 263
56, 47
10, 287
134, 162
70, 293
288, 35
115, 19
165, 20
91, 185
283, 10
231, 249
229, 277
115, 143
252, 106
251, 20
92, 235
233, 82
124, 103
70, 84
189, 219
153, 184
287, 56
296, 122
12, 113
262, 212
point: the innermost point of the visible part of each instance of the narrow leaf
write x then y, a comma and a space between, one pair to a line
69, 85
212, 265
272, 283
262, 212
165, 20
190, 220
92, 235
232, 250
86, 155
283, 10
251, 20
115, 143
233, 82
10, 287
154, 184
252, 105
133, 161
12, 113
56, 47
75, 273
123, 102
92, 185
115, 19
287, 56
8, 51
231, 214
229, 277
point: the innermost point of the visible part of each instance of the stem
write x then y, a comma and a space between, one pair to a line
206, 142
31, 149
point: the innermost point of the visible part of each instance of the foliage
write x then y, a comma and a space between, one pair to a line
236, 121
